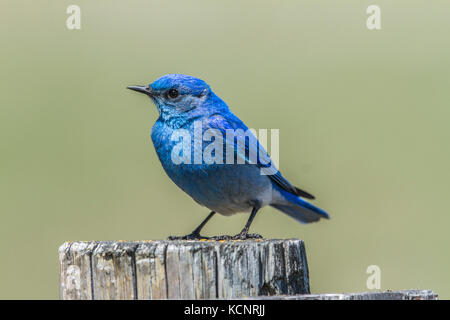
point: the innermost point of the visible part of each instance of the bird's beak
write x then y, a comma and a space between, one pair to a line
147, 90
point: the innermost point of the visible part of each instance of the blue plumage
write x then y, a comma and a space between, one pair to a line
189, 109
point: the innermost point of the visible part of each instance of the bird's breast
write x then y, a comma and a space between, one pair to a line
224, 188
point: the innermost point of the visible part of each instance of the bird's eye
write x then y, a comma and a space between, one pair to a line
173, 93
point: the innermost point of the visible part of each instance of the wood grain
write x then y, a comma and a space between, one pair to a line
182, 269
253, 269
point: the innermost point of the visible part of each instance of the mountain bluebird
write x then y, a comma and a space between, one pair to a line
227, 188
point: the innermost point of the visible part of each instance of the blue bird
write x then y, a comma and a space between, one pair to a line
223, 187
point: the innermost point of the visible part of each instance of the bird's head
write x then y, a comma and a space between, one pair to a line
177, 95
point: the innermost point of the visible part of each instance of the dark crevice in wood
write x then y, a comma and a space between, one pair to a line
133, 273
91, 263
216, 272
304, 262
165, 271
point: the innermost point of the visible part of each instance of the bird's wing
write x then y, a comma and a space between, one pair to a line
221, 123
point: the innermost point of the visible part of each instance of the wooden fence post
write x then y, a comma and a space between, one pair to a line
182, 269
263, 269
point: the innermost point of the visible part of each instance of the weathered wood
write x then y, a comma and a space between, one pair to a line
182, 269
386, 295
113, 271
75, 270
263, 269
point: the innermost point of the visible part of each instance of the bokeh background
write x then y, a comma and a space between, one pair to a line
363, 118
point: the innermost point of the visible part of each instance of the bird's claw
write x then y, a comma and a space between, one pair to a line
223, 237
192, 236
239, 236
247, 236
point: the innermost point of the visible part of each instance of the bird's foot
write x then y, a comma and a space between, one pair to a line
239, 236
192, 236
223, 237
247, 236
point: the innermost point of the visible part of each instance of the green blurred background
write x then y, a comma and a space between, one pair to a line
363, 118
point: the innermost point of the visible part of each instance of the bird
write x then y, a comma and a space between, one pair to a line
226, 188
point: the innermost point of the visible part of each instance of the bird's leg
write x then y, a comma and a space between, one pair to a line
195, 235
243, 235
197, 230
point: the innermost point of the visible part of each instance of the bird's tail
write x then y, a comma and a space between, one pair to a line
299, 209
